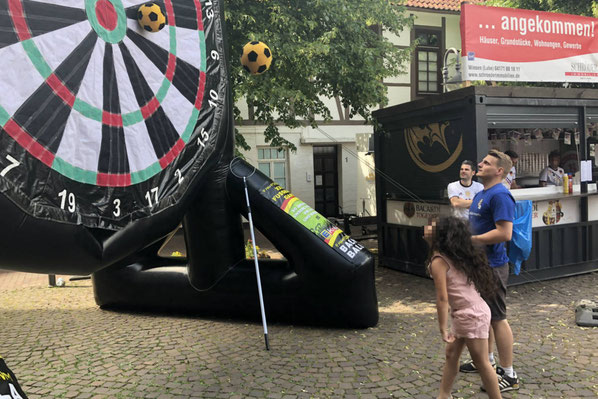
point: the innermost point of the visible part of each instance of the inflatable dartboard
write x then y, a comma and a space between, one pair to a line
102, 122
113, 130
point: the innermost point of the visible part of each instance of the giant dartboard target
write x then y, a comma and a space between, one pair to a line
103, 123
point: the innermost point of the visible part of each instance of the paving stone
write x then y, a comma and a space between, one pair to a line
60, 344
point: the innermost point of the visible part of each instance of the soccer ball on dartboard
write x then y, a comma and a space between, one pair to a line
151, 17
256, 58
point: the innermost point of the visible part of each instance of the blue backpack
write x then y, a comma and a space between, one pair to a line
521, 240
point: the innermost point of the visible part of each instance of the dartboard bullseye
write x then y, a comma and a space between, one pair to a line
106, 15
108, 19
101, 121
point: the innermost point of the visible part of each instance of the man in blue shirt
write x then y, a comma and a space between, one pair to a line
491, 218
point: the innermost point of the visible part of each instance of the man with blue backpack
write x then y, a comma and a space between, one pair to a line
491, 217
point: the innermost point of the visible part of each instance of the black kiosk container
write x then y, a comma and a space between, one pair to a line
419, 147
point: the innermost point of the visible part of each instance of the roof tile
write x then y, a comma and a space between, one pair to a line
449, 5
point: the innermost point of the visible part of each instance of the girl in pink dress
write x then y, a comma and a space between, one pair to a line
461, 276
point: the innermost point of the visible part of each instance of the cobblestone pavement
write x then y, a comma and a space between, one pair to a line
10, 280
61, 345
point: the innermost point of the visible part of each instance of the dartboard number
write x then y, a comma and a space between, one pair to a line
13, 164
179, 175
148, 196
213, 98
13, 393
209, 11
203, 138
116, 211
64, 195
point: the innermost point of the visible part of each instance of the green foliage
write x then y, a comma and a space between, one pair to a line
576, 7
326, 48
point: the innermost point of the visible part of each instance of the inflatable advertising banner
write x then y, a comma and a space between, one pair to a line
312, 220
505, 44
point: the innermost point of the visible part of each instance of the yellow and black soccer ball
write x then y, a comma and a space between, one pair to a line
256, 58
151, 17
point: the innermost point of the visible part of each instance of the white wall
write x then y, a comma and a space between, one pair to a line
299, 164
348, 164
398, 95
300, 168
302, 173
343, 136
366, 175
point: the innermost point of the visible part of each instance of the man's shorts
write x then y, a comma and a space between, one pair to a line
498, 304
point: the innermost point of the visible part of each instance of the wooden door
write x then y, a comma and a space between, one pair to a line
326, 180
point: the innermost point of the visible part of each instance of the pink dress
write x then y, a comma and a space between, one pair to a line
469, 312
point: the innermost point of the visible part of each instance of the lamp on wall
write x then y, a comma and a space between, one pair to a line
455, 81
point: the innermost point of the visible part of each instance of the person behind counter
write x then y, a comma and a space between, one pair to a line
552, 175
510, 180
462, 191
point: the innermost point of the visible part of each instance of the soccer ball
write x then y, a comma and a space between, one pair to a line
256, 58
150, 17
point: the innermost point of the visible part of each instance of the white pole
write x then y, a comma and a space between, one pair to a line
257, 268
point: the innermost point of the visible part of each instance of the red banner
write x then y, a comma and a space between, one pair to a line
523, 45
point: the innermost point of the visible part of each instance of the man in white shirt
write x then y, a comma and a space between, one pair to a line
552, 175
462, 191
510, 180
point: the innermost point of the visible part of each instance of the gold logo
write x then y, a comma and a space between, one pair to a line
480, 203
417, 137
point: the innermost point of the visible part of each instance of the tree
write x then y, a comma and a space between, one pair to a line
329, 48
588, 8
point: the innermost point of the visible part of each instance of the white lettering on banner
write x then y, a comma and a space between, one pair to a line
505, 44
488, 40
542, 43
515, 42
576, 46
524, 25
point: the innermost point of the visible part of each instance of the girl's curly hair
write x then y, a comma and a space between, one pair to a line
452, 238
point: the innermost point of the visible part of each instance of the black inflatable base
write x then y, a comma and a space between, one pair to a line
147, 287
